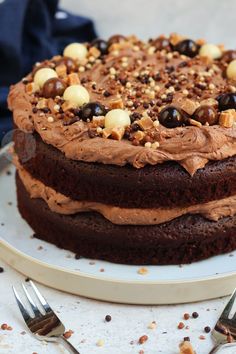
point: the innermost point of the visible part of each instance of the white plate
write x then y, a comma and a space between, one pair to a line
102, 280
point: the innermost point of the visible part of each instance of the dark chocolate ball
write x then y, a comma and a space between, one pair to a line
228, 56
92, 109
187, 47
171, 117
101, 45
206, 114
116, 39
227, 101
68, 62
53, 87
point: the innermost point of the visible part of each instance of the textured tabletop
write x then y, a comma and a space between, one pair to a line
119, 336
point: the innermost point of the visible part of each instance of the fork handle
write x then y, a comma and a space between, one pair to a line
218, 347
67, 345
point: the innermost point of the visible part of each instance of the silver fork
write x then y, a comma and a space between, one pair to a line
44, 324
225, 328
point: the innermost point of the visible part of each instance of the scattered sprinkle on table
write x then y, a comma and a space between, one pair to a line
195, 315
143, 339
180, 325
100, 343
68, 334
207, 329
152, 325
108, 318
186, 316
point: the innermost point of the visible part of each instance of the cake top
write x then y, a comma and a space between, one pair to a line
127, 101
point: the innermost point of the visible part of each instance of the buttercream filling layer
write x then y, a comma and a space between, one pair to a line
61, 204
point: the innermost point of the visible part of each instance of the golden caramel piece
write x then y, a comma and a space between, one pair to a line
73, 79
94, 52
61, 70
118, 133
66, 106
32, 87
42, 103
176, 38
116, 103
227, 118
195, 123
106, 132
188, 105
139, 135
186, 348
98, 121
145, 123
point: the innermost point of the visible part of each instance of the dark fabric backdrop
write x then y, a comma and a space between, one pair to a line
30, 31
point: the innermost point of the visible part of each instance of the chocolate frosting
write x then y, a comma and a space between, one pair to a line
191, 146
61, 204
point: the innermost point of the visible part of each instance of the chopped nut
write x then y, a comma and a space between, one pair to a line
117, 133
143, 339
186, 348
61, 70
142, 271
32, 87
145, 123
73, 79
227, 118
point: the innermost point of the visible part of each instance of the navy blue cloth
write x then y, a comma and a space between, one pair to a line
30, 31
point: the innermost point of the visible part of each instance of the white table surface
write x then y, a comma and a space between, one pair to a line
86, 318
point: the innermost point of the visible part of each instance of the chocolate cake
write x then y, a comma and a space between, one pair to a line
126, 150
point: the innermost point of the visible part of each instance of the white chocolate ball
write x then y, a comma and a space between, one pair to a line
117, 118
76, 94
76, 51
231, 70
42, 75
210, 50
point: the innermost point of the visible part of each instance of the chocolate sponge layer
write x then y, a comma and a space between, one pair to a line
166, 184
183, 240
